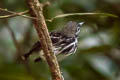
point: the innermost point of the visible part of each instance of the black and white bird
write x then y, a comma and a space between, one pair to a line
64, 41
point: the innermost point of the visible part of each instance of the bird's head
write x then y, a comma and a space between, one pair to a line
72, 29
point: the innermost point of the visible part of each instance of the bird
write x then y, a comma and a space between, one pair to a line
64, 41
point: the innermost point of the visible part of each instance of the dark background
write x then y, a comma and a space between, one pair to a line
98, 54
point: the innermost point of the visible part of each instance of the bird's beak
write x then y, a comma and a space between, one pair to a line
81, 23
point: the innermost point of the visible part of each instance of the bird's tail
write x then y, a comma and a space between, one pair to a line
36, 47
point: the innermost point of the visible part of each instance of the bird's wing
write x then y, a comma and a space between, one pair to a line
62, 43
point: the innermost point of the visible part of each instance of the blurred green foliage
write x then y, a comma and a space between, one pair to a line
98, 54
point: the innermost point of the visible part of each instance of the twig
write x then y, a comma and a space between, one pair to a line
6, 10
13, 14
81, 14
41, 28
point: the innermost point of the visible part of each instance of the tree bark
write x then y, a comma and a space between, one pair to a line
42, 31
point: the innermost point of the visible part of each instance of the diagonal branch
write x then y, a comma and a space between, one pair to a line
14, 14
41, 28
